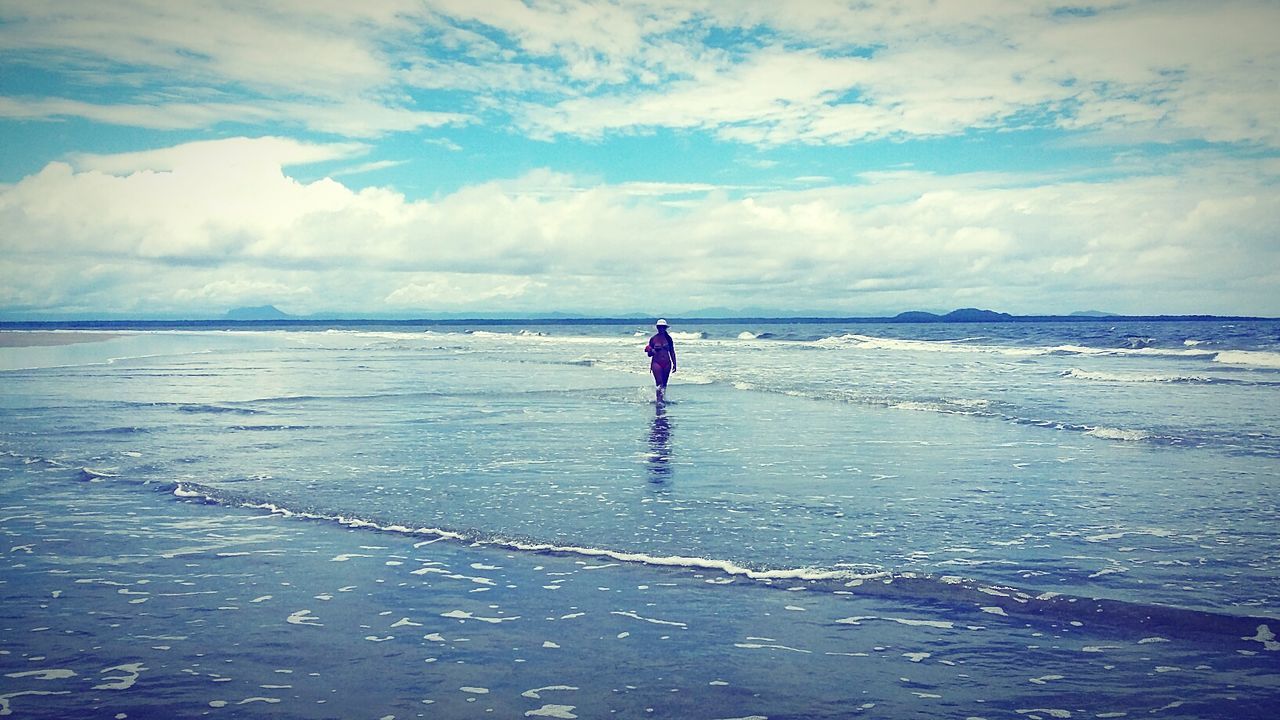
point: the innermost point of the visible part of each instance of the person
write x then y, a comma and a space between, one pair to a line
663, 353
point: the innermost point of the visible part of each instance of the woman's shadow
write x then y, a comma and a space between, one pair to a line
660, 446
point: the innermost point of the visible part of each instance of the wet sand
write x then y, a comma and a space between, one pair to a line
26, 338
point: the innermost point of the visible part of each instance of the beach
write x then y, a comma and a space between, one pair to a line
499, 522
19, 338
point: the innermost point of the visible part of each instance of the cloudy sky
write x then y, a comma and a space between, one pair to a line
396, 157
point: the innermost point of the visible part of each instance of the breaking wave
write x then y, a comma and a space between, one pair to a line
1246, 632
1078, 374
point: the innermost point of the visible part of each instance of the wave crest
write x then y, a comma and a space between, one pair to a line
1215, 627
1095, 375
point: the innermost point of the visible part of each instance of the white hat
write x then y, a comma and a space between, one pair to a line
661, 323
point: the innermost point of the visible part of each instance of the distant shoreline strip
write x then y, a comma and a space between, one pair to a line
50, 338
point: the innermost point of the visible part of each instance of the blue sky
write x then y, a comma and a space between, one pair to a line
406, 157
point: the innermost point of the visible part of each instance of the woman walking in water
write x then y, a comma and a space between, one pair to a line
663, 353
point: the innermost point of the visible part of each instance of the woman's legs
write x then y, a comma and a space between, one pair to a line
660, 374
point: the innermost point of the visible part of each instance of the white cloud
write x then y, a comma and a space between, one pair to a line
171, 228
856, 71
352, 117
212, 156
758, 72
325, 49
368, 167
325, 66
459, 291
240, 290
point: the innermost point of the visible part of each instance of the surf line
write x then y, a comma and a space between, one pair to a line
195, 491
948, 592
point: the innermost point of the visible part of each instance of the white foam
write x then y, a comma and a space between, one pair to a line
1250, 358
464, 615
1104, 537
51, 674
6, 707
967, 345
131, 673
453, 576
1098, 376
536, 693
761, 646
649, 620
1266, 637
303, 617
553, 711
1107, 433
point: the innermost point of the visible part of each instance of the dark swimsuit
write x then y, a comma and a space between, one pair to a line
661, 354
659, 348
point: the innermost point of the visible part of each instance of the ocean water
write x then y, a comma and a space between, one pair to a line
1022, 520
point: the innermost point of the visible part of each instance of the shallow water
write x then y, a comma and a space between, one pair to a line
973, 520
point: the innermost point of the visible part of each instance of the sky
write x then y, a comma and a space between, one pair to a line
394, 158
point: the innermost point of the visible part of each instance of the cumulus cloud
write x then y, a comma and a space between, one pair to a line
171, 229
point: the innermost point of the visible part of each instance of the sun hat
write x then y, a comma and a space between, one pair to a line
661, 323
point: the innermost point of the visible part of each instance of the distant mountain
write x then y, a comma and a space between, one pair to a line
976, 315
261, 312
961, 315
1092, 314
919, 316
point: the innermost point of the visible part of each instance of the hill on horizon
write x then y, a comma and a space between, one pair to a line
260, 312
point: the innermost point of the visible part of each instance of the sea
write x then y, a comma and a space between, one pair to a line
825, 519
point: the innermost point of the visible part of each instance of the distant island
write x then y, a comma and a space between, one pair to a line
261, 312
961, 315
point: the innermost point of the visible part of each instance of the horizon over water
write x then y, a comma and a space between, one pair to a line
828, 519
272, 317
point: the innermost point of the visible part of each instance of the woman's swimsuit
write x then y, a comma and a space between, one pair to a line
660, 346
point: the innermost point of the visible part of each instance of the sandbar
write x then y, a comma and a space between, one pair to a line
37, 338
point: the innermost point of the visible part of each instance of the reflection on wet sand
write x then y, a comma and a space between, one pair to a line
660, 446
